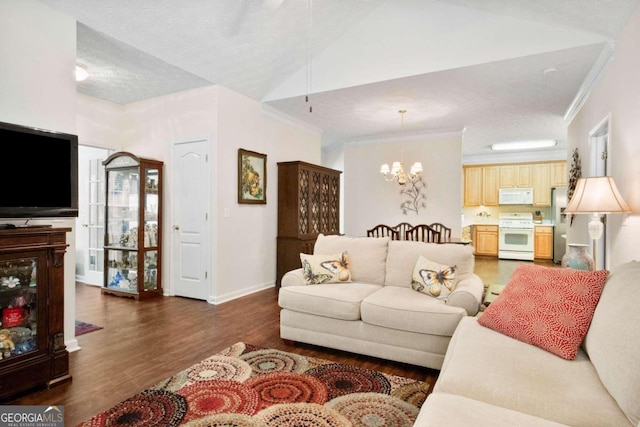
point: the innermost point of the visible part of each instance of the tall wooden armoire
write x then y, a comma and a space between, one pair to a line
308, 204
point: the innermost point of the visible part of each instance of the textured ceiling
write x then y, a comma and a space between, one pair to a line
478, 65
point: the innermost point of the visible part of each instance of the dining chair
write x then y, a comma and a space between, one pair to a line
402, 229
445, 232
423, 233
382, 230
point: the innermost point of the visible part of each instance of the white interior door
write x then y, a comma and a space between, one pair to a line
191, 231
90, 236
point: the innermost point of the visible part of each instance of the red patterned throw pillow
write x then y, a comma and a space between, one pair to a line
547, 307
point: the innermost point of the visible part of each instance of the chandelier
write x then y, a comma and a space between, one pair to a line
397, 171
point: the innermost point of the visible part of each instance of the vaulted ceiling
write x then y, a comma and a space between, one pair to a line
496, 70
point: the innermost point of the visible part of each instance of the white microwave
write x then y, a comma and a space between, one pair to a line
515, 196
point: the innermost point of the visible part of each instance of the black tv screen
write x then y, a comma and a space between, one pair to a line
39, 173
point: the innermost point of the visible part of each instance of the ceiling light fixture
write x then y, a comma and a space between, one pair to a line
523, 145
397, 170
81, 72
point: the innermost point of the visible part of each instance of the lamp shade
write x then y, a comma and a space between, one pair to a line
597, 194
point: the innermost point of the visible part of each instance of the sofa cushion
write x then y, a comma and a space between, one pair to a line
367, 255
319, 269
404, 309
486, 365
443, 409
548, 307
336, 300
404, 254
433, 279
613, 340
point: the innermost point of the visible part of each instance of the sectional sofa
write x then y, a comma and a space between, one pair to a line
491, 379
377, 312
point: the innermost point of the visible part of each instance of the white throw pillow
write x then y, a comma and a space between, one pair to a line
318, 269
433, 279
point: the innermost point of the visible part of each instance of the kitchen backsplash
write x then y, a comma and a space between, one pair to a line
490, 214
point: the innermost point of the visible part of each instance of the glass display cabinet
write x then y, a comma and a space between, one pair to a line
32, 348
133, 226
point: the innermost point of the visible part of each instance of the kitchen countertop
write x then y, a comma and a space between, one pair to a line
546, 222
480, 222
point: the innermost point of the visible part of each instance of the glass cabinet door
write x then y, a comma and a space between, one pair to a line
122, 228
122, 202
19, 306
151, 229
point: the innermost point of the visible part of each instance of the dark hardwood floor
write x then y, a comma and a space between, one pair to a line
144, 342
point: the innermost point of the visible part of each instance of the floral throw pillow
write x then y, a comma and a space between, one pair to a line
318, 269
548, 307
433, 279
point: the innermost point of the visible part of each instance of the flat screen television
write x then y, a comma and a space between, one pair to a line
39, 171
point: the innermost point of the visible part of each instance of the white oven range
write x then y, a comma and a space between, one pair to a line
515, 232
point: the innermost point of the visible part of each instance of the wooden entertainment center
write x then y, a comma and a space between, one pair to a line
32, 309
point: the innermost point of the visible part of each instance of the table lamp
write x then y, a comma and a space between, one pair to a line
596, 195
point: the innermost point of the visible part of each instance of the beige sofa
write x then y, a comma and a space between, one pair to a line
378, 313
489, 379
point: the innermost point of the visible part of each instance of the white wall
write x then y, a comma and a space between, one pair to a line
370, 200
37, 88
99, 123
246, 241
617, 93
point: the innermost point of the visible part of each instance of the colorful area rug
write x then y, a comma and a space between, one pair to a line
84, 327
246, 386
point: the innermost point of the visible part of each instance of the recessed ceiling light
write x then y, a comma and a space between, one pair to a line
523, 145
81, 72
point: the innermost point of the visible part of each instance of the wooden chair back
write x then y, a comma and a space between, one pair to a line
402, 229
423, 233
445, 232
382, 230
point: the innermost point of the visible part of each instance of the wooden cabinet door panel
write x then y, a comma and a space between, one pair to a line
543, 242
524, 178
541, 185
508, 176
472, 186
490, 177
486, 240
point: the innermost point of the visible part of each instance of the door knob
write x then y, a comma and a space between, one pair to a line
176, 227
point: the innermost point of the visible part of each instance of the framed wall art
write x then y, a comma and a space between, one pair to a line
252, 177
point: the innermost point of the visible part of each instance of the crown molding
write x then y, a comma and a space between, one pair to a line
591, 80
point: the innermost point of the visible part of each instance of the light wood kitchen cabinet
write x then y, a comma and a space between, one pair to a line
542, 184
485, 240
472, 186
481, 185
490, 176
543, 242
559, 174
520, 176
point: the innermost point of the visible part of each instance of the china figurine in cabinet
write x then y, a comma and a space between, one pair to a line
133, 226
